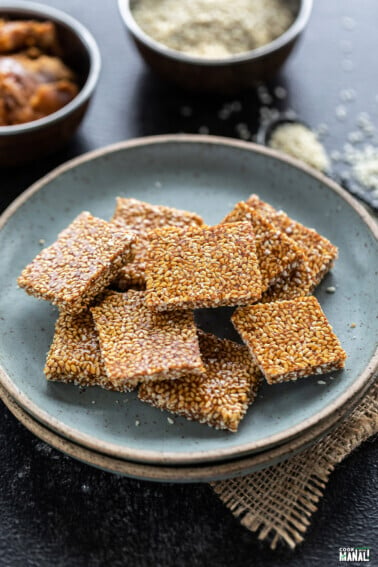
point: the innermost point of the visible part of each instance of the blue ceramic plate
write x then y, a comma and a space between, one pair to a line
206, 175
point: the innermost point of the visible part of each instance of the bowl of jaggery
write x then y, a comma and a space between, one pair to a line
49, 69
215, 46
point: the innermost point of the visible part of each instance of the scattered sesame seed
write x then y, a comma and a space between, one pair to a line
322, 129
41, 241
347, 95
335, 155
236, 106
170, 420
93, 401
348, 23
355, 137
331, 289
347, 65
137, 422
345, 175
322, 382
341, 112
158, 184
364, 164
290, 113
224, 113
186, 111
203, 130
353, 325
280, 92
243, 131
266, 98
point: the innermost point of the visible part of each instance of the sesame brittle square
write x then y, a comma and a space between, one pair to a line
277, 254
289, 339
143, 218
221, 397
202, 267
132, 214
75, 354
84, 259
140, 344
321, 253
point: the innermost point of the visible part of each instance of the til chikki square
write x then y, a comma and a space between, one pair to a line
289, 339
221, 396
140, 344
79, 265
202, 267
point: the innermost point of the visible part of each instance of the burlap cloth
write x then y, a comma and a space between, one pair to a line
278, 502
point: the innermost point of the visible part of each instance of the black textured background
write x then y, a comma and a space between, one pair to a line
57, 512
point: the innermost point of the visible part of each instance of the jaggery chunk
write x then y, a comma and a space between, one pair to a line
22, 34
139, 344
79, 265
277, 254
321, 253
221, 397
75, 354
202, 267
144, 218
289, 339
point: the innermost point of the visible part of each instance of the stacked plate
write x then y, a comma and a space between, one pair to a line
206, 175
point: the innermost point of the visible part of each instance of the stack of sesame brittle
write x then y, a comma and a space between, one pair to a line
111, 335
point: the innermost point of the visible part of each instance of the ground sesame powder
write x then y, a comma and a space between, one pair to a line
213, 29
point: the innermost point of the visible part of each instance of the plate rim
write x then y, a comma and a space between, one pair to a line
206, 472
167, 457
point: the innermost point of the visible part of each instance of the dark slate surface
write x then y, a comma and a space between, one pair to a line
56, 511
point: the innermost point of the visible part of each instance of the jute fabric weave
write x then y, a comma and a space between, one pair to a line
278, 502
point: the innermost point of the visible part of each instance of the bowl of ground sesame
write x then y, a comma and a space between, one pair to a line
215, 45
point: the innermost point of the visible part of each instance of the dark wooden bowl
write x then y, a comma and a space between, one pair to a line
26, 142
227, 75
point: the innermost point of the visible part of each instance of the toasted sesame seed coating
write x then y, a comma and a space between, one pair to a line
277, 254
137, 343
75, 354
297, 284
289, 339
79, 265
321, 253
221, 397
143, 218
202, 267
133, 274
